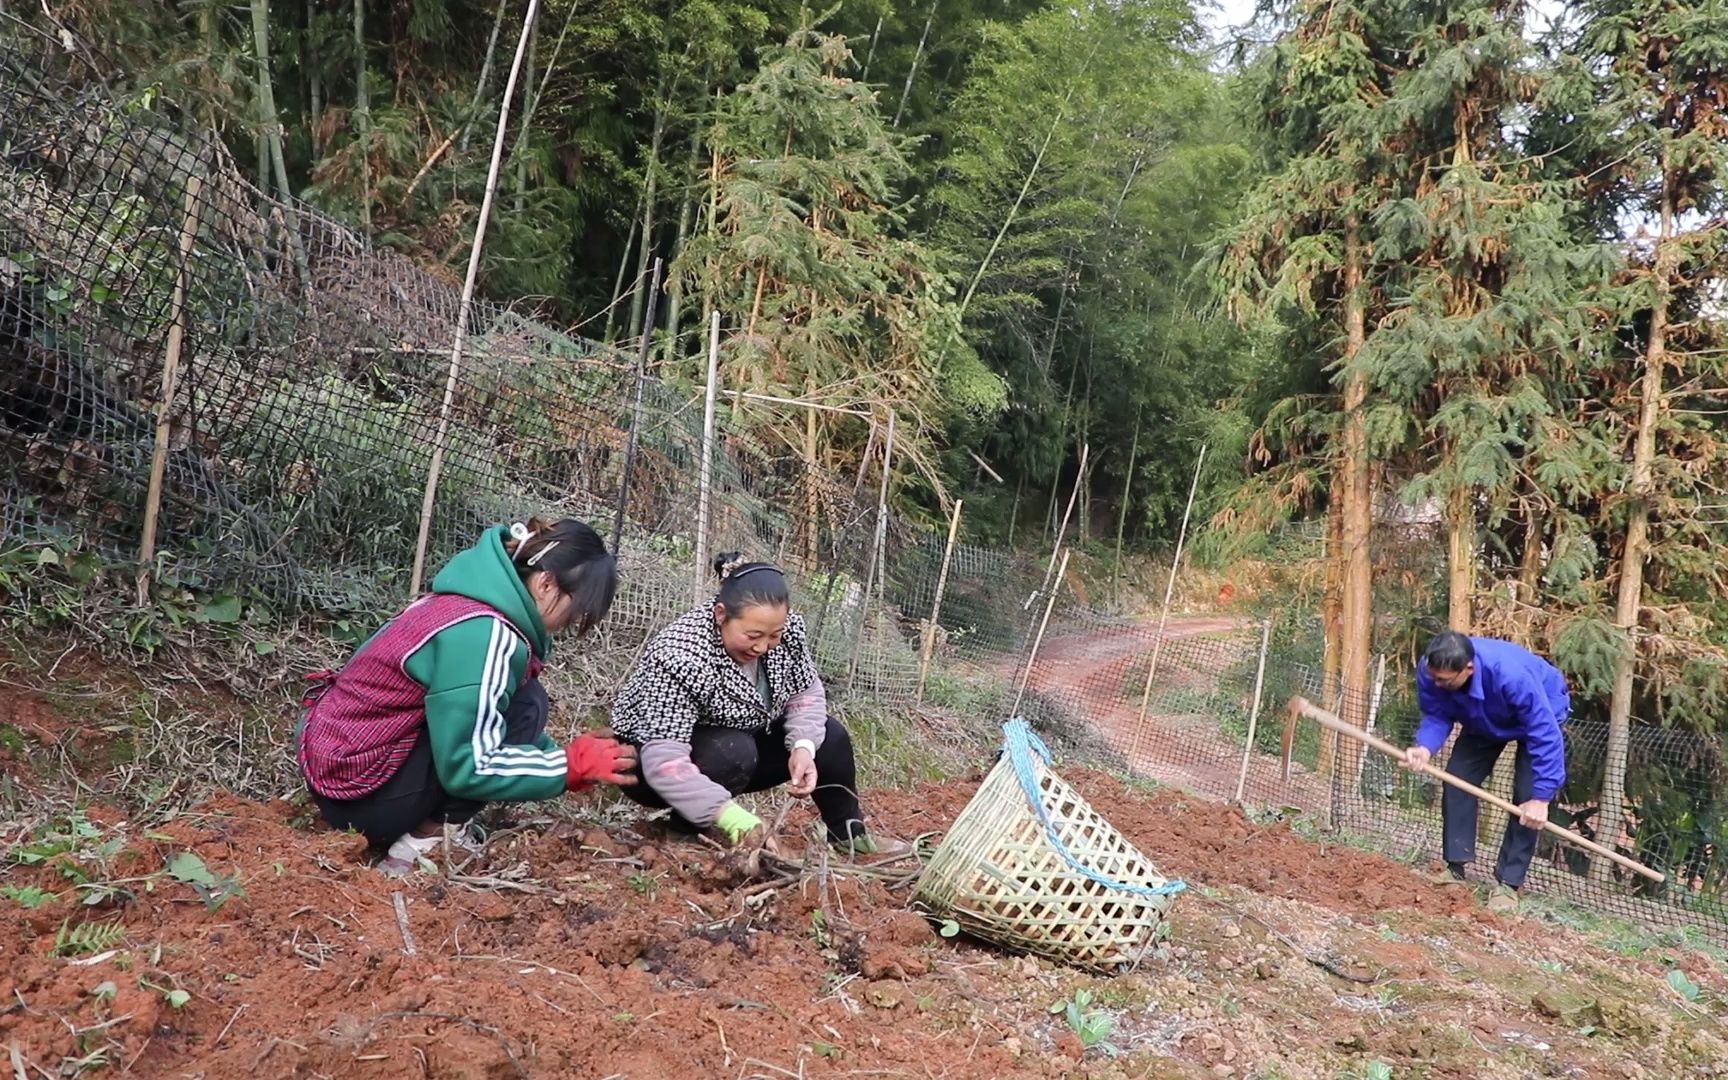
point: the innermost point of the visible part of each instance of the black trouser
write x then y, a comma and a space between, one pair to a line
414, 795
744, 761
1473, 759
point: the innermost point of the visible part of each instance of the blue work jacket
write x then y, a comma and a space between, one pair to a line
1513, 695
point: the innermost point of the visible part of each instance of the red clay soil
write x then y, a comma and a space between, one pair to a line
619, 952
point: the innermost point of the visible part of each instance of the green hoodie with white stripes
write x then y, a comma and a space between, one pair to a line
471, 669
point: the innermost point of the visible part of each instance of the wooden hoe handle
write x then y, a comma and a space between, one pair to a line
1301, 706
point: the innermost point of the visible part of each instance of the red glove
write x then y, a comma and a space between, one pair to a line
590, 758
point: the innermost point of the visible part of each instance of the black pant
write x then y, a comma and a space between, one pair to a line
1473, 759
414, 795
744, 761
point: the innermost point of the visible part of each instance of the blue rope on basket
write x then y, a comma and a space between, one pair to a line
1022, 742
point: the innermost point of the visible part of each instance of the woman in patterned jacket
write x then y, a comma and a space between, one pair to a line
726, 700
442, 711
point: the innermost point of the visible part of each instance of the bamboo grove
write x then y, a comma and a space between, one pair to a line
1454, 254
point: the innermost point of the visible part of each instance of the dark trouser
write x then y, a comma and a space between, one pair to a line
744, 761
414, 795
1473, 759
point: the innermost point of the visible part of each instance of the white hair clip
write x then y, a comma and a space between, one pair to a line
519, 533
541, 554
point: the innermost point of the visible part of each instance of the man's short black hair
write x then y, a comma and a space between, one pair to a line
1449, 651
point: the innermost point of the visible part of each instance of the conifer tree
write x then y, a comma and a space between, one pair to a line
1658, 69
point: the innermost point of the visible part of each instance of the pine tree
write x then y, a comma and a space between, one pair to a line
1304, 264
1660, 71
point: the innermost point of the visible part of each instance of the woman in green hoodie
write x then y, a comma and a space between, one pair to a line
442, 710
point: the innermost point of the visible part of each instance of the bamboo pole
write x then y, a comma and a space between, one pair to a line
1300, 706
743, 395
881, 537
1254, 710
635, 438
706, 492
1373, 711
1122, 514
936, 604
1062, 530
1037, 642
467, 305
170, 384
1164, 614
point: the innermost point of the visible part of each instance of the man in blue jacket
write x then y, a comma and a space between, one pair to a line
1496, 693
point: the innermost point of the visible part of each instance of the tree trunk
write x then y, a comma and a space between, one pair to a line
1530, 559
1631, 592
864, 76
267, 116
485, 80
314, 76
521, 200
686, 216
1356, 652
362, 115
1461, 546
623, 269
906, 91
272, 132
649, 190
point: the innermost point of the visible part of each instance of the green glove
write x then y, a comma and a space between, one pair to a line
735, 821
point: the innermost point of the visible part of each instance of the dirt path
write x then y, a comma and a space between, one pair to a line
1099, 675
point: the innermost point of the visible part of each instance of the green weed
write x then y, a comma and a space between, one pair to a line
1092, 1026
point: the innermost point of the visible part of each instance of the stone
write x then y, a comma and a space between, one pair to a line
1571, 1008
1231, 930
1626, 1019
599, 843
885, 995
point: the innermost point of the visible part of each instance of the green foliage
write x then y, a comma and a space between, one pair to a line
187, 868
28, 897
1092, 1026
86, 939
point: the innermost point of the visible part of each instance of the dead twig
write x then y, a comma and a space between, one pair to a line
401, 906
543, 967
228, 1026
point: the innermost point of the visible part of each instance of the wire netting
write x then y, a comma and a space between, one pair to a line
289, 380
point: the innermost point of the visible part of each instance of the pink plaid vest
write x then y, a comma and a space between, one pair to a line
361, 722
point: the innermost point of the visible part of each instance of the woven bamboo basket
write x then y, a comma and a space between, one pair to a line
1001, 872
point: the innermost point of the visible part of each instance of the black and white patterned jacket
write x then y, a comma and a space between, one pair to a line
685, 678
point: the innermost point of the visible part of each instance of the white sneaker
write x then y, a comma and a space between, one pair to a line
406, 852
468, 836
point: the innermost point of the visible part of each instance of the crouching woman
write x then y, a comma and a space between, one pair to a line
442, 711
726, 700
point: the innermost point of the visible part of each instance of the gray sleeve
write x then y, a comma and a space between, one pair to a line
667, 768
807, 715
